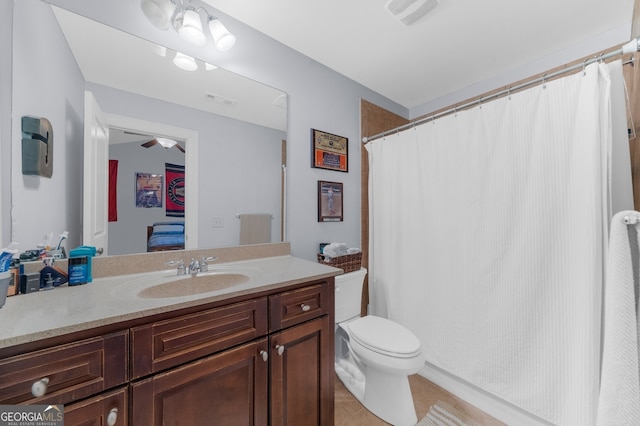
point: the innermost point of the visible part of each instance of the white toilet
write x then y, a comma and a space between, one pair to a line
374, 355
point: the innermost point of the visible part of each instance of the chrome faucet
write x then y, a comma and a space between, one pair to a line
204, 263
181, 269
194, 267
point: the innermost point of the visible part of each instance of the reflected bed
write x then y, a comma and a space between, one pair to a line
162, 236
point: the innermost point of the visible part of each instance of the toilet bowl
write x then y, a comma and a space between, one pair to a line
374, 355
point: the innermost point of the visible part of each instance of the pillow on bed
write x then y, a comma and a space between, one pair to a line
168, 228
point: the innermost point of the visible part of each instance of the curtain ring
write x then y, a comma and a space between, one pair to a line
544, 81
509, 93
433, 119
584, 67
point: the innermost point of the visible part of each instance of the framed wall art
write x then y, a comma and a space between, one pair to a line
329, 151
330, 201
148, 190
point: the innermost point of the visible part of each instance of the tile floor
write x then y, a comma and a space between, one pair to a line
349, 411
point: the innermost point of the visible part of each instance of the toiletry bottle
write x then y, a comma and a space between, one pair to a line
78, 272
82, 266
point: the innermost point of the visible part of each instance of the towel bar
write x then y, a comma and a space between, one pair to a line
238, 215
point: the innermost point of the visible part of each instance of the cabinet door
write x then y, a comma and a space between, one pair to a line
302, 374
109, 409
229, 388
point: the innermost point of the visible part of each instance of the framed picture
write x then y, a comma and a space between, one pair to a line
330, 199
329, 151
148, 190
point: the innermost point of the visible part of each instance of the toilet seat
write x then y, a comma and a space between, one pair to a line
384, 337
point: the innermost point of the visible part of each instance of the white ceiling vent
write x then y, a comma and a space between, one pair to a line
212, 97
409, 11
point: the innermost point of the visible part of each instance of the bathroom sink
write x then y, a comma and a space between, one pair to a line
166, 284
188, 286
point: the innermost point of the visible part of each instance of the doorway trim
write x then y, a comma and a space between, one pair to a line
191, 161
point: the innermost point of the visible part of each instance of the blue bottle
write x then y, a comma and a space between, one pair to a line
80, 265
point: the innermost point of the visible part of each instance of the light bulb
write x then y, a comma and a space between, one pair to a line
158, 12
223, 39
166, 143
185, 62
190, 27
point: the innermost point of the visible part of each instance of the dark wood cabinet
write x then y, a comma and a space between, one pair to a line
229, 388
108, 409
259, 359
65, 373
284, 376
301, 375
165, 344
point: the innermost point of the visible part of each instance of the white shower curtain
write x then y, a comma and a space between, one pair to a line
487, 234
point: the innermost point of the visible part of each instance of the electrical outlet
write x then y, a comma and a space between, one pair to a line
217, 222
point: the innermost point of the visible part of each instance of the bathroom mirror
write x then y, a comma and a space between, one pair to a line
239, 126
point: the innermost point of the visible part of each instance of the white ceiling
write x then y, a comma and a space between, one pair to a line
459, 43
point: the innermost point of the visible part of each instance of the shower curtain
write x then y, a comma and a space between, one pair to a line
487, 232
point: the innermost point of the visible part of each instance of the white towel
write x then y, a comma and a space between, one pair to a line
255, 228
619, 399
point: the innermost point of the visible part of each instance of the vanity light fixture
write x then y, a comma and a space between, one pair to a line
185, 62
187, 22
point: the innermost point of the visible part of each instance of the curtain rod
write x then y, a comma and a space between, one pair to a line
631, 47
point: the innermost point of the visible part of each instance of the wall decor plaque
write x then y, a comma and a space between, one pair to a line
329, 151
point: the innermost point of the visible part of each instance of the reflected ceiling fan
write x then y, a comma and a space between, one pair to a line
164, 142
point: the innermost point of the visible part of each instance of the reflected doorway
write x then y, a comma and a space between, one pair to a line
131, 144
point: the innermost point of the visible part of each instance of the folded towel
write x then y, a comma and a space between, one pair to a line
334, 250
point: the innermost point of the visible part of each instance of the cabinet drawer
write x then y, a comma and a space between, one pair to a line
294, 307
106, 408
72, 371
161, 345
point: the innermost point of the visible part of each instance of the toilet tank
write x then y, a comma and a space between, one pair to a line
349, 294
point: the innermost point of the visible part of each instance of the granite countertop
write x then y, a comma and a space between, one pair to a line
112, 299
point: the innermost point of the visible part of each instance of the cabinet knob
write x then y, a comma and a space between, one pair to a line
305, 307
280, 349
265, 355
112, 417
39, 388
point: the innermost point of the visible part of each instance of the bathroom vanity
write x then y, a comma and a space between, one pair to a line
256, 353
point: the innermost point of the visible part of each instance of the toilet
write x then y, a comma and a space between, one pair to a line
374, 356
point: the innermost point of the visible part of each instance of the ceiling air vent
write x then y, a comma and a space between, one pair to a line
212, 97
409, 11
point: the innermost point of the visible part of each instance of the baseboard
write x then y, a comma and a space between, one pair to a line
490, 404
